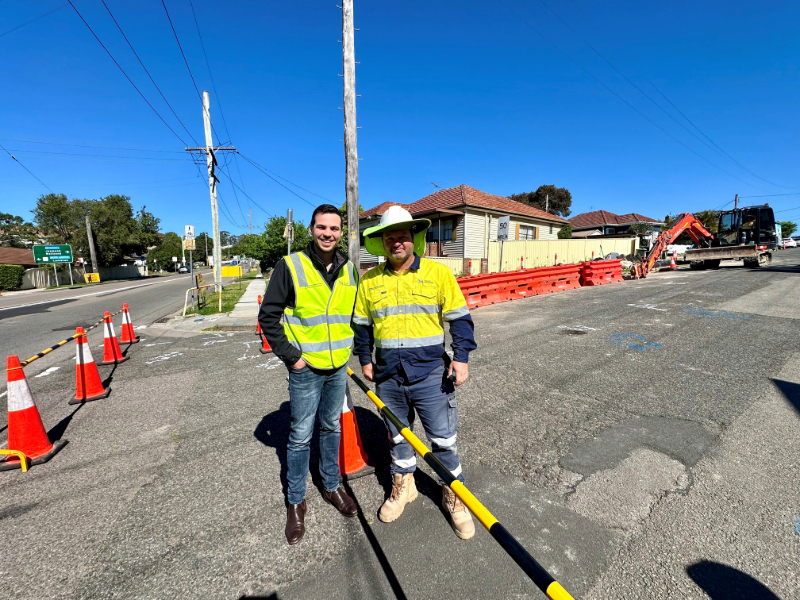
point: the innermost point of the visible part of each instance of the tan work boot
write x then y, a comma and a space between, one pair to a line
404, 491
460, 519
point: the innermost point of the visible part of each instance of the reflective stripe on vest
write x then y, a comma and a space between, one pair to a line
319, 325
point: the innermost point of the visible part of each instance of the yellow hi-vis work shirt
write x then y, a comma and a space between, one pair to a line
406, 312
319, 323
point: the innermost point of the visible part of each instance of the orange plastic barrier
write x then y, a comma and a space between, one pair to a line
600, 272
483, 290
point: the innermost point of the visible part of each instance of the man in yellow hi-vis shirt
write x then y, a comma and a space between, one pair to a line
400, 309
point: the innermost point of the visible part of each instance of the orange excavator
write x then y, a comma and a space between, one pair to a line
747, 234
686, 222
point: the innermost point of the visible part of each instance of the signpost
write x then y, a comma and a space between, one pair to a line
503, 225
54, 254
188, 244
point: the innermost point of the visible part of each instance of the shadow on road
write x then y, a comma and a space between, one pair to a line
58, 430
270, 597
722, 582
790, 391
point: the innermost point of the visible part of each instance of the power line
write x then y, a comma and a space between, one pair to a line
26, 168
280, 184
772, 195
101, 155
631, 106
111, 56
153, 81
32, 21
88, 146
656, 104
246, 195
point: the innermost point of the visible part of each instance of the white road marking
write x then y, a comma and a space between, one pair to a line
135, 327
649, 306
47, 372
210, 342
272, 363
158, 344
164, 357
132, 287
577, 328
3, 394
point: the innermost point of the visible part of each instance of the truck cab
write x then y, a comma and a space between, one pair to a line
750, 225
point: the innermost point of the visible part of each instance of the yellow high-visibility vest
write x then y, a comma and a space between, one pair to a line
319, 324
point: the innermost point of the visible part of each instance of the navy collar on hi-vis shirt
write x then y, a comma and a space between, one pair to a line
414, 266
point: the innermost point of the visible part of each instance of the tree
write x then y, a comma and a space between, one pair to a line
565, 233
161, 256
709, 219
787, 228
114, 229
557, 201
58, 218
15, 232
248, 245
200, 247
272, 245
147, 227
642, 227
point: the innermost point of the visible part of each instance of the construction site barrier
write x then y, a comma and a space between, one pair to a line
599, 272
538, 574
39, 355
482, 290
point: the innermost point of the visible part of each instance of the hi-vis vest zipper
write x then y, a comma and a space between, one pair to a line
319, 325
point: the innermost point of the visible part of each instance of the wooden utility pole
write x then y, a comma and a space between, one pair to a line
211, 162
350, 151
91, 245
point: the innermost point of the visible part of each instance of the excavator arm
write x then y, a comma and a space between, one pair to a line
686, 222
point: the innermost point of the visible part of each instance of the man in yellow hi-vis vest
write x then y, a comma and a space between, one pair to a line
313, 291
402, 305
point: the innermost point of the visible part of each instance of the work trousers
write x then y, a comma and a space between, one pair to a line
314, 394
434, 400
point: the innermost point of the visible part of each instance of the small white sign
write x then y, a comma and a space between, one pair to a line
174, 259
503, 225
189, 231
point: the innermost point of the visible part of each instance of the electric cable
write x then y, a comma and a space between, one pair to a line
32, 21
280, 184
631, 106
88, 146
111, 56
656, 104
247, 196
153, 81
26, 168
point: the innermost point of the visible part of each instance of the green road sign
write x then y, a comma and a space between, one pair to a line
53, 254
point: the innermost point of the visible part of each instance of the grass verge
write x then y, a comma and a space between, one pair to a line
231, 294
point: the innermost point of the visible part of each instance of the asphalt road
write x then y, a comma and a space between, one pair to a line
641, 439
33, 321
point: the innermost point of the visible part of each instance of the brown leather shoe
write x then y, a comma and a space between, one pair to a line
343, 503
295, 522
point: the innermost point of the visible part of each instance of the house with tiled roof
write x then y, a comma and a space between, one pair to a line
603, 222
464, 221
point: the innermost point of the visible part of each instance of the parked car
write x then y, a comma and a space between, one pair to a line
789, 243
183, 269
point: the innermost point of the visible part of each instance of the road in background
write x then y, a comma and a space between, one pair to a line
31, 322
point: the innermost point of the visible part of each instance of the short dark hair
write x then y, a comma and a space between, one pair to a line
325, 209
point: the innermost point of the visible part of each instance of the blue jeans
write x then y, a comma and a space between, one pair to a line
314, 394
434, 399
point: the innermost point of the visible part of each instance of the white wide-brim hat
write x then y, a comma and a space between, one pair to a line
396, 217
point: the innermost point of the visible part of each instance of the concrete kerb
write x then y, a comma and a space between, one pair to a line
242, 318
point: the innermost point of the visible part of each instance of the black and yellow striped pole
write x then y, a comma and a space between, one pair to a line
515, 550
47, 351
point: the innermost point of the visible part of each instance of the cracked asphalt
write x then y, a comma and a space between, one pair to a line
641, 440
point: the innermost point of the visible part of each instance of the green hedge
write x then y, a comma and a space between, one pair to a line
11, 277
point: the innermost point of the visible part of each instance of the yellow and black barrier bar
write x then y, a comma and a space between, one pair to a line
47, 351
538, 574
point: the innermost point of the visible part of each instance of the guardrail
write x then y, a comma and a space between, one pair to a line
538, 574
197, 289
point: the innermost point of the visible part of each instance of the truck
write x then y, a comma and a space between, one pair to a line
746, 233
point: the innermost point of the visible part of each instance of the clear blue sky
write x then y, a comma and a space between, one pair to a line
451, 92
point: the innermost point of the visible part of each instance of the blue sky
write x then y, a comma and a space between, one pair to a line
451, 92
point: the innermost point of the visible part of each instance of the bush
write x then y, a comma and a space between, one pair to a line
11, 277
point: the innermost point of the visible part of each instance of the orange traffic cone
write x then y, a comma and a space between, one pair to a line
26, 432
111, 353
128, 336
258, 325
88, 385
672, 264
353, 459
265, 347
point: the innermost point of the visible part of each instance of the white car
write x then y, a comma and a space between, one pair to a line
789, 243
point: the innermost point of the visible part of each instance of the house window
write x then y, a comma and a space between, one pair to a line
527, 232
447, 232
551, 230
